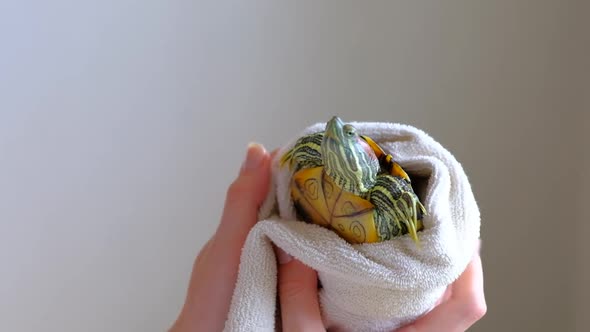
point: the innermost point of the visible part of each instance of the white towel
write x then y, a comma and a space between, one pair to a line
366, 287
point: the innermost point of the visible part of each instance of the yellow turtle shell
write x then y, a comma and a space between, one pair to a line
321, 201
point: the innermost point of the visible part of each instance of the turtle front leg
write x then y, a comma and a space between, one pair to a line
305, 153
398, 210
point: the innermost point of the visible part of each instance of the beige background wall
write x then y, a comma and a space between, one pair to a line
583, 272
122, 123
583, 287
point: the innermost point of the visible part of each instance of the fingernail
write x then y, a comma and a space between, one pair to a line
283, 257
254, 157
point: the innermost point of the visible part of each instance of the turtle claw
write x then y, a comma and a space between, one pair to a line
412, 231
412, 222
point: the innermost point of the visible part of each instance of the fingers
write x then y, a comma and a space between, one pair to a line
465, 306
298, 295
240, 213
216, 267
244, 197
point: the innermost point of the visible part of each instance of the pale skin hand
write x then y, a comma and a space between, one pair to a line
216, 268
462, 305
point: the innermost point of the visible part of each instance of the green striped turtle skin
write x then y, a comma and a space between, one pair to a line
346, 182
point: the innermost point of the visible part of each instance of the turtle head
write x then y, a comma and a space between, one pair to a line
348, 159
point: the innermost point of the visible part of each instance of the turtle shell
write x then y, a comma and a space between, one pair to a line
318, 200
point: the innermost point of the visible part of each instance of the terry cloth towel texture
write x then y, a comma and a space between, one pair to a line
365, 287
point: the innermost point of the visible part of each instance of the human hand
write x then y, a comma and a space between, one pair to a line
461, 306
215, 269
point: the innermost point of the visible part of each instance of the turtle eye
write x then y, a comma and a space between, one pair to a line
349, 130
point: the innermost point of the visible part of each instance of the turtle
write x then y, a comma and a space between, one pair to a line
346, 182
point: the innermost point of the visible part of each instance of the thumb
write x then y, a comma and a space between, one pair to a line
245, 196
